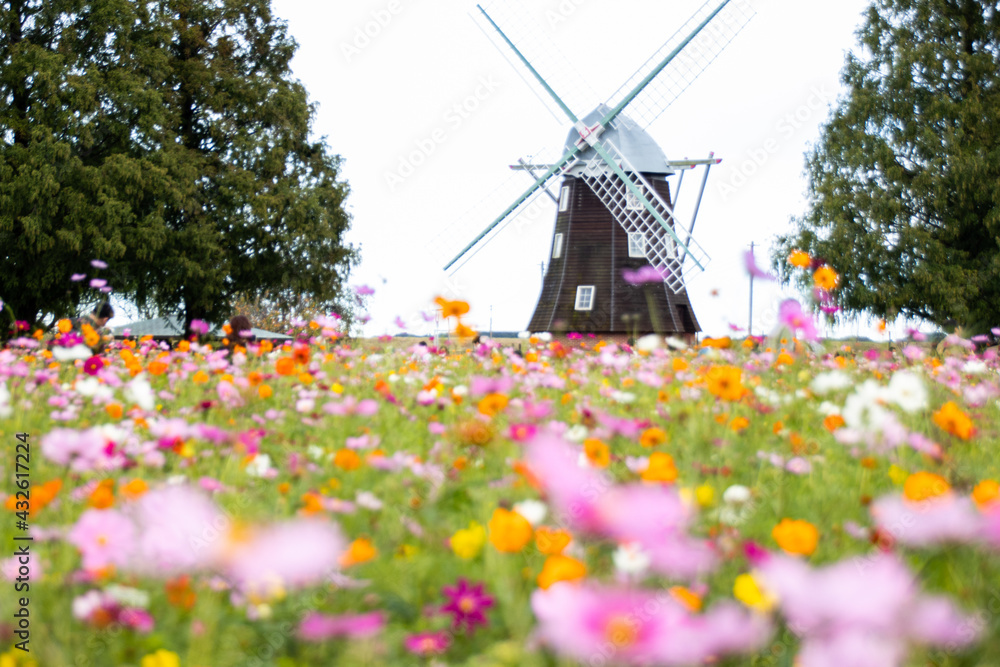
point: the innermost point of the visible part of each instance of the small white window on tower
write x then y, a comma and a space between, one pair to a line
564, 199
636, 245
632, 202
557, 246
585, 297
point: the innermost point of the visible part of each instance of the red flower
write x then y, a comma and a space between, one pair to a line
92, 365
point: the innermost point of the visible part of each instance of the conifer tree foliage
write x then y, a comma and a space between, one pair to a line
904, 183
168, 138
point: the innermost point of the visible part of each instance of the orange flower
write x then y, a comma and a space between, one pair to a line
723, 343
285, 366
552, 541
800, 259
725, 382
313, 503
833, 422
661, 469
826, 278
686, 597
560, 568
157, 367
739, 424
951, 419
491, 404
134, 488
265, 391
463, 331
796, 536
179, 593
301, 354
64, 326
509, 531
652, 437
922, 486
103, 496
114, 410
474, 432
361, 551
201, 377
679, 364
986, 493
38, 497
597, 453
451, 308
347, 459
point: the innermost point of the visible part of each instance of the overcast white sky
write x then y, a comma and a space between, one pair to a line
387, 99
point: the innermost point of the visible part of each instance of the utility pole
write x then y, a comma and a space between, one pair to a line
750, 322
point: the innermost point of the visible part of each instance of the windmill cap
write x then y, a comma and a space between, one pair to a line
639, 149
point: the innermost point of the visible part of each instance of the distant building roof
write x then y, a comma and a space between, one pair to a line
173, 327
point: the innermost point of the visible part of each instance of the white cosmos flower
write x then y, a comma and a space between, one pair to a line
532, 510
907, 390
864, 408
577, 433
140, 392
832, 381
649, 343
260, 466
71, 353
5, 408
128, 597
737, 494
630, 559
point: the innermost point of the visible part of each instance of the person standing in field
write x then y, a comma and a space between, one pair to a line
93, 327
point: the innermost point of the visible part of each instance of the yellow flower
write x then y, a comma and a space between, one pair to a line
704, 495
161, 658
748, 591
897, 474
796, 536
468, 542
826, 278
509, 531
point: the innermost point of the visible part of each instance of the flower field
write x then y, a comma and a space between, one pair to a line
337, 502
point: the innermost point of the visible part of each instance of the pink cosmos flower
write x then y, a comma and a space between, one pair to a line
625, 626
104, 537
293, 554
466, 605
862, 612
587, 501
182, 531
646, 274
98, 282
427, 643
98, 264
316, 627
139, 620
77, 277
791, 315
80, 450
363, 290
199, 327
946, 519
351, 406
753, 269
480, 386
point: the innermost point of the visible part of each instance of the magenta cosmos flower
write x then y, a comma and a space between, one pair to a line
93, 365
596, 625
467, 605
427, 643
316, 627
863, 612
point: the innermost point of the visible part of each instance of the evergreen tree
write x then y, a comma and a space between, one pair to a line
905, 183
180, 153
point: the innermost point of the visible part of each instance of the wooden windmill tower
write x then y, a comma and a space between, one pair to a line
616, 216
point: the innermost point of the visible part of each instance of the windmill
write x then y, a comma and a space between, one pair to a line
616, 214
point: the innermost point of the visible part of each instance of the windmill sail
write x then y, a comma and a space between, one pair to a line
698, 48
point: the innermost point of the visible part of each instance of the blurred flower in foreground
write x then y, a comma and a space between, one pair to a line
636, 627
860, 611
